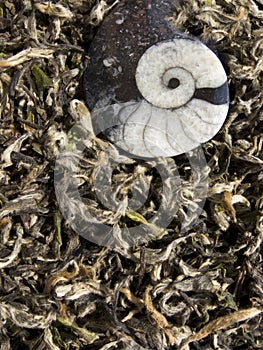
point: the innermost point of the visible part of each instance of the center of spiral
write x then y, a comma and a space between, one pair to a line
173, 83
162, 80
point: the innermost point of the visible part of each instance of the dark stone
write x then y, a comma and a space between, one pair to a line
124, 35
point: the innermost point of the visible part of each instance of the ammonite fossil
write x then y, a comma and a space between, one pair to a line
153, 90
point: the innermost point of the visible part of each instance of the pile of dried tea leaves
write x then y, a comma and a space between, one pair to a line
197, 289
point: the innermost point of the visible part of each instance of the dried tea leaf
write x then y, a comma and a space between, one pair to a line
16, 250
21, 316
99, 12
26, 55
137, 217
14, 147
227, 203
57, 10
224, 322
57, 222
83, 332
42, 80
160, 320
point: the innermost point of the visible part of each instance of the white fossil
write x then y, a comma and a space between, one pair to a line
184, 101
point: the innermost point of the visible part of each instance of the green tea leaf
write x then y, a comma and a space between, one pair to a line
133, 215
57, 222
42, 80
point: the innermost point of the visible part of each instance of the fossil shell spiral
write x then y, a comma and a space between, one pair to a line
153, 90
